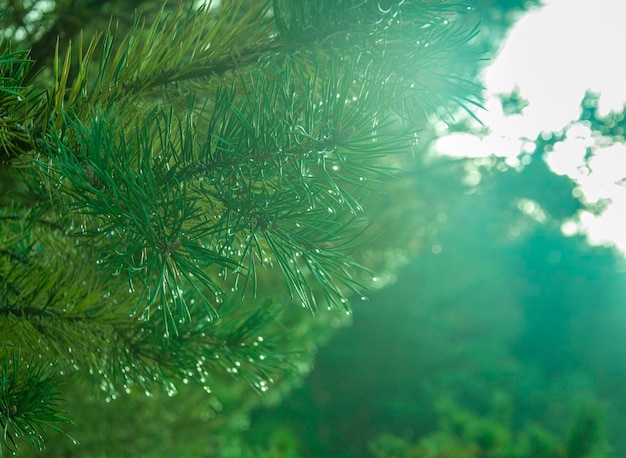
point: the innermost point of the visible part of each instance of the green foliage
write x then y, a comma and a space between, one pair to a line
28, 403
465, 434
162, 176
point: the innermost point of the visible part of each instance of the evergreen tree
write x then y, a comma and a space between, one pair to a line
159, 183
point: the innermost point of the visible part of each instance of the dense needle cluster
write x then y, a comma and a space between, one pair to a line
164, 178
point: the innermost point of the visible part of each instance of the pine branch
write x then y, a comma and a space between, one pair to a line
15, 109
206, 153
28, 402
169, 202
75, 318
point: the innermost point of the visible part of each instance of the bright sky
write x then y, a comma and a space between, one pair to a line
553, 55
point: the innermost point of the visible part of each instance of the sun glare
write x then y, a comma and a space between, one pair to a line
551, 57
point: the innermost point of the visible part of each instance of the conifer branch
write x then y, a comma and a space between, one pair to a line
77, 320
28, 401
204, 153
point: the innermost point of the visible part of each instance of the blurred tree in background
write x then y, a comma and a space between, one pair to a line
164, 173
